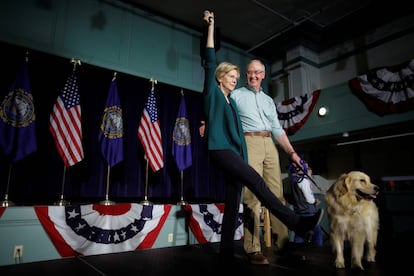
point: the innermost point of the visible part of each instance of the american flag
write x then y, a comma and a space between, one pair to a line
149, 133
65, 123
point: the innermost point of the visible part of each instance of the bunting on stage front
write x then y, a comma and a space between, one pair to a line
98, 229
181, 148
205, 221
293, 113
111, 131
149, 133
18, 119
386, 90
2, 209
65, 123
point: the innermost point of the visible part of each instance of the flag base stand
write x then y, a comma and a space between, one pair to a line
6, 203
107, 202
146, 202
62, 202
181, 203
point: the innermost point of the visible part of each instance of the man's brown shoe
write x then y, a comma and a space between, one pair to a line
258, 258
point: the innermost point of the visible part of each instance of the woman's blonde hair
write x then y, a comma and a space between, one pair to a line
225, 67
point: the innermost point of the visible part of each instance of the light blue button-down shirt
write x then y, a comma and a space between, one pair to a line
257, 111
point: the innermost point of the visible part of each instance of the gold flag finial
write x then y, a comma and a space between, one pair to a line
153, 82
75, 63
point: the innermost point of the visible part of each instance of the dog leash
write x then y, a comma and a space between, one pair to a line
293, 170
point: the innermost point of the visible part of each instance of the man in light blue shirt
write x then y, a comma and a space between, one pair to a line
262, 130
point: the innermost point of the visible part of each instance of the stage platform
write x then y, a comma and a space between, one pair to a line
203, 259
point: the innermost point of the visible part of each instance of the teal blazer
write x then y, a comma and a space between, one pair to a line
223, 126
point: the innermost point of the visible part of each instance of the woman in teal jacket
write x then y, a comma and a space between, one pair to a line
227, 149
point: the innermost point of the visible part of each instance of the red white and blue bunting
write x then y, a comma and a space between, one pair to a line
205, 221
293, 113
386, 90
98, 229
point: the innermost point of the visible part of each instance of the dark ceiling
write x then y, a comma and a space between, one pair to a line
266, 28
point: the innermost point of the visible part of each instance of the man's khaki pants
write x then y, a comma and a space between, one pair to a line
264, 158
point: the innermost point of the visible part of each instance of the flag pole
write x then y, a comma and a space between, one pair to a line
6, 202
111, 134
62, 201
55, 125
107, 201
182, 202
146, 201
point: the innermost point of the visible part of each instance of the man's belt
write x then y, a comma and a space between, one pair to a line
259, 133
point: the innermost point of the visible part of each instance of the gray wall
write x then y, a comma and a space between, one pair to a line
111, 35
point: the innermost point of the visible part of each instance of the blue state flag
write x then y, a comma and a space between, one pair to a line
112, 130
18, 119
181, 149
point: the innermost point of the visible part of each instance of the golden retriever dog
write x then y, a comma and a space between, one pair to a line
353, 217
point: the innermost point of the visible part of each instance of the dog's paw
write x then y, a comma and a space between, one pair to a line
357, 265
370, 258
339, 264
